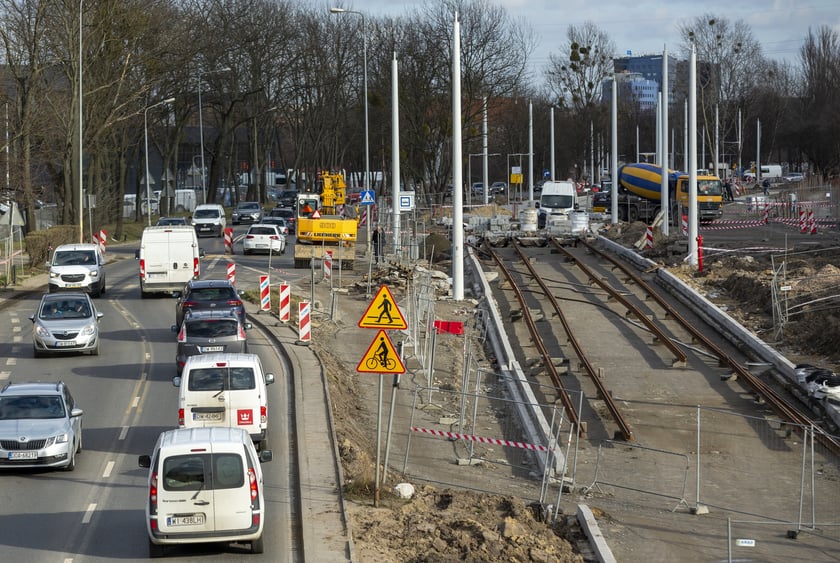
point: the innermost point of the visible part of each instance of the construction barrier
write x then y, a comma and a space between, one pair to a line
328, 264
228, 240
812, 222
265, 295
304, 323
285, 302
803, 226
101, 240
685, 225
649, 237
231, 273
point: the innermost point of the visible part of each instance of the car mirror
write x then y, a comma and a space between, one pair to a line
146, 461
266, 455
99, 315
32, 317
201, 252
176, 381
76, 412
48, 264
269, 378
248, 326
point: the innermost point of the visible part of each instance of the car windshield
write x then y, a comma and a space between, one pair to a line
212, 328
248, 207
65, 309
206, 214
212, 294
216, 378
709, 187
31, 407
557, 201
74, 258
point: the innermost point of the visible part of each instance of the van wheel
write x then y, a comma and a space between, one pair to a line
257, 545
156, 550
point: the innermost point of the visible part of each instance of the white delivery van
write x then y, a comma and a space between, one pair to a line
204, 485
557, 201
209, 218
225, 390
169, 258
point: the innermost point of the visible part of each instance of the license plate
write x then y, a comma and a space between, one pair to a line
599, 209
204, 228
73, 285
185, 520
156, 275
205, 349
23, 455
65, 343
207, 416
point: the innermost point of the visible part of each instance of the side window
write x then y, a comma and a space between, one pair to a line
184, 472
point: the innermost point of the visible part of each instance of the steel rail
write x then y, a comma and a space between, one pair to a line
603, 392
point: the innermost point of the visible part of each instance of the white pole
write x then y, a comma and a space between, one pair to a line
692, 158
485, 173
457, 181
591, 154
614, 150
666, 200
81, 159
685, 135
717, 141
395, 159
552, 145
757, 152
531, 153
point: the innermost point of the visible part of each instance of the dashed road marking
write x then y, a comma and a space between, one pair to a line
5, 374
89, 513
108, 468
123, 433
11, 361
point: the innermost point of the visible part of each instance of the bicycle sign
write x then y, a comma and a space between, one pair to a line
381, 357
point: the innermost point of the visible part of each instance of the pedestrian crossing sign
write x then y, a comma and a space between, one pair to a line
383, 312
381, 357
367, 197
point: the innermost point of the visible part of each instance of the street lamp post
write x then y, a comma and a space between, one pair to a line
146, 140
81, 154
367, 128
201, 130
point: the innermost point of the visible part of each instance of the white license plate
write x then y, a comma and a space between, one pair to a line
65, 343
207, 416
186, 520
23, 455
73, 285
205, 349
156, 275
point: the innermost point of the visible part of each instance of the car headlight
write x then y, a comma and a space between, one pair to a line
88, 330
62, 438
42, 331
54, 274
192, 223
94, 273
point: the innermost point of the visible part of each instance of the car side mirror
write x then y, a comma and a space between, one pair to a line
76, 412
99, 315
176, 381
266, 455
48, 264
201, 252
248, 326
32, 317
536, 205
269, 378
146, 461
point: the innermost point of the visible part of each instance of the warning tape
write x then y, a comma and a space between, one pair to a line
480, 439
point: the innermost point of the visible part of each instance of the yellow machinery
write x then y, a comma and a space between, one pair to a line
319, 227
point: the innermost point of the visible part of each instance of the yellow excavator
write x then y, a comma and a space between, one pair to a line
321, 226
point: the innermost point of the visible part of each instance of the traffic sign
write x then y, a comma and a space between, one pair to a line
381, 357
383, 312
315, 215
367, 197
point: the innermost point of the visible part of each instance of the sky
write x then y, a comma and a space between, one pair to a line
646, 26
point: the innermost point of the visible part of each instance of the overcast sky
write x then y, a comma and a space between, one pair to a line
780, 25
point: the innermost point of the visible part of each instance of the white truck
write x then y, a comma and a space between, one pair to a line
557, 201
169, 257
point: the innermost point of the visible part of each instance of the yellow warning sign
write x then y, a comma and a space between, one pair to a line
383, 312
381, 357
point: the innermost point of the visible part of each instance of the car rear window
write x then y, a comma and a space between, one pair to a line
212, 328
262, 231
217, 378
195, 472
212, 294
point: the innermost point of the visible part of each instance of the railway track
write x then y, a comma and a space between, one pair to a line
650, 309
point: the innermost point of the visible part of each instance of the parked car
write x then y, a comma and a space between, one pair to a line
40, 426
263, 237
208, 294
210, 331
204, 485
498, 188
280, 222
601, 202
477, 188
247, 212
794, 177
170, 221
287, 198
65, 322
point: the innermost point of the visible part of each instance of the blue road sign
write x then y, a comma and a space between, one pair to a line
367, 197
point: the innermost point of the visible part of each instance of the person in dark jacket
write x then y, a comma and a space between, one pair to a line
378, 240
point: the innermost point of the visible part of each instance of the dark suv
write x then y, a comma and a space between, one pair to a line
217, 295
209, 331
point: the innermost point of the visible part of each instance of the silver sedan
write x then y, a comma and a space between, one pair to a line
65, 322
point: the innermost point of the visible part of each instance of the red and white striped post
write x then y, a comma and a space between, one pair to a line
231, 272
803, 226
766, 213
285, 299
265, 296
328, 264
228, 240
812, 222
684, 222
649, 237
304, 323
103, 240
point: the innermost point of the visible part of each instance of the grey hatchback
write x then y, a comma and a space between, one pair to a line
65, 322
247, 212
210, 331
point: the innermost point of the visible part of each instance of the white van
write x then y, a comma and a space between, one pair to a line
184, 200
209, 219
77, 267
169, 258
204, 485
225, 390
557, 201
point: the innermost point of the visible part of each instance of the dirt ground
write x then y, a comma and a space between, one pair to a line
439, 525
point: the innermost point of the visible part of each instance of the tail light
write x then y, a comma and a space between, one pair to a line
180, 417
196, 268
142, 268
249, 236
153, 500
274, 237
188, 304
234, 303
263, 414
255, 497
182, 334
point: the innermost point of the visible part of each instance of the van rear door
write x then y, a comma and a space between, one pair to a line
244, 399
185, 493
232, 491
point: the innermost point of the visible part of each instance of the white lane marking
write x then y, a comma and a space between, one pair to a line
17, 338
15, 329
135, 402
123, 433
89, 513
11, 361
15, 320
148, 356
108, 468
5, 374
